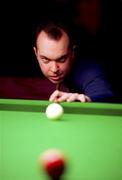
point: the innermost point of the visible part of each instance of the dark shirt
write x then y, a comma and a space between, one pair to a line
87, 77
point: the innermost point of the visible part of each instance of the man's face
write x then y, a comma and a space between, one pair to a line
54, 56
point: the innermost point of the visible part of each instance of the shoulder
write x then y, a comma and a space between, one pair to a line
86, 68
84, 72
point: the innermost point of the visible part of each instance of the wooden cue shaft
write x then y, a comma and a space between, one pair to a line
58, 86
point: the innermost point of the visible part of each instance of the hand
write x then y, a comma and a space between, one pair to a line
59, 96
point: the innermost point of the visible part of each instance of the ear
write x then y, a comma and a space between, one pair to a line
35, 50
73, 51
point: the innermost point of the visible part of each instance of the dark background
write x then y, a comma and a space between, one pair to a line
104, 42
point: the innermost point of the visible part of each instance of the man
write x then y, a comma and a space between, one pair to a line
55, 51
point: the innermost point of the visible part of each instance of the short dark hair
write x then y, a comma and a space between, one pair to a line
55, 30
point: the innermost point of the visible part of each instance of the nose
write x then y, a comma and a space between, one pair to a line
54, 67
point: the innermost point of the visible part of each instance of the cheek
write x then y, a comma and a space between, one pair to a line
68, 65
44, 68
65, 68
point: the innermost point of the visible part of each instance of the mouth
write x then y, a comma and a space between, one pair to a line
55, 79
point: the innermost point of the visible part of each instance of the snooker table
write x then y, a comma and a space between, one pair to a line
89, 134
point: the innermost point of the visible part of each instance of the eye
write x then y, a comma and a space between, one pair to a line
45, 60
62, 59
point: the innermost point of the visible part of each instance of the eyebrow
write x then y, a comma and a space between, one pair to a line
63, 56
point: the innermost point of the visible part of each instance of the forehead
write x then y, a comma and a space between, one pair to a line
48, 46
43, 38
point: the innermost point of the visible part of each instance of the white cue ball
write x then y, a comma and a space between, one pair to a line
54, 111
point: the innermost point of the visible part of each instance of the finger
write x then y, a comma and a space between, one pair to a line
88, 99
72, 97
81, 97
54, 95
63, 97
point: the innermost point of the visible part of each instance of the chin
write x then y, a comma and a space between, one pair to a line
55, 82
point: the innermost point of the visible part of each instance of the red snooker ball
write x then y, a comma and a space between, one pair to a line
53, 162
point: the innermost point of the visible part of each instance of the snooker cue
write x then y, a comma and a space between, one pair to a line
58, 86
